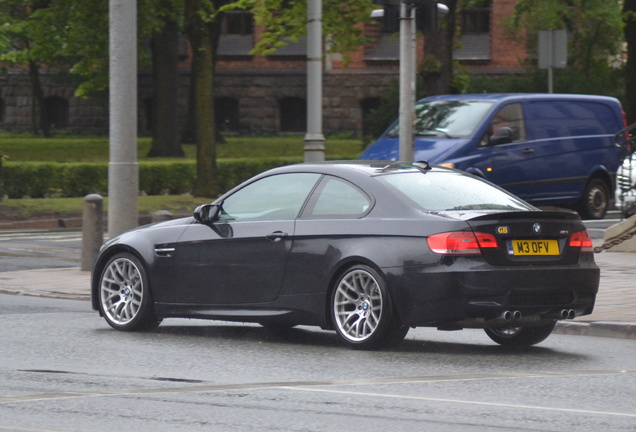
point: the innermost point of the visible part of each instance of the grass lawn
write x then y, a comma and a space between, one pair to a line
18, 147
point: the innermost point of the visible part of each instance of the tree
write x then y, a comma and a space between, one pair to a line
21, 49
437, 69
165, 67
594, 29
202, 18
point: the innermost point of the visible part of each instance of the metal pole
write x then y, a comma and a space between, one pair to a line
551, 62
407, 71
123, 171
314, 139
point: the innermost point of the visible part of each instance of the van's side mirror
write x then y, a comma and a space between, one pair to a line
206, 213
503, 135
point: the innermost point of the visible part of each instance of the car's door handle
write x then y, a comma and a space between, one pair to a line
276, 236
528, 151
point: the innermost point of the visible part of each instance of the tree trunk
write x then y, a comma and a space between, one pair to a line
629, 12
437, 68
165, 130
201, 34
39, 116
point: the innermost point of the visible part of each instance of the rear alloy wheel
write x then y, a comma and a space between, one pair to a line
362, 310
595, 201
520, 336
124, 294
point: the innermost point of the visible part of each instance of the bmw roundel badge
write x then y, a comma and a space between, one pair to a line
536, 228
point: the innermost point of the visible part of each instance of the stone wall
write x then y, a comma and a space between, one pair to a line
258, 93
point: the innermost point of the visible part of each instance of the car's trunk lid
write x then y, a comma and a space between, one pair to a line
530, 238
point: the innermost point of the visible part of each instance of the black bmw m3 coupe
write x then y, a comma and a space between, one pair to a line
368, 249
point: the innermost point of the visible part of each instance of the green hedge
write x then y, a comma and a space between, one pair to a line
50, 179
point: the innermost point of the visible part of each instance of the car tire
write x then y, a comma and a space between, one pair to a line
520, 336
596, 200
125, 299
362, 311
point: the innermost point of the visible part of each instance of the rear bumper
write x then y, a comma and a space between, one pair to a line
471, 293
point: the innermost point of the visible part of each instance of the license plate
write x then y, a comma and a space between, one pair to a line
533, 247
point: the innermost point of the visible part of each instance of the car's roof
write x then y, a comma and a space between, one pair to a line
369, 168
501, 97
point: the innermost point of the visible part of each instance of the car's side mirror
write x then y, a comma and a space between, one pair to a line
504, 135
206, 213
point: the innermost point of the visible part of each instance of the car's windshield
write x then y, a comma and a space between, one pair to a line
451, 191
447, 118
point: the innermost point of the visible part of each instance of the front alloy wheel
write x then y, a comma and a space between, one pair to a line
362, 310
124, 294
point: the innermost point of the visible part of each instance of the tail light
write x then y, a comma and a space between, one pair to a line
461, 243
581, 239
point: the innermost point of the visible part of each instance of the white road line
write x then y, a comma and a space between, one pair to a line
465, 402
313, 386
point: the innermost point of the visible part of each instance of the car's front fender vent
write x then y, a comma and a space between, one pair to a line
164, 251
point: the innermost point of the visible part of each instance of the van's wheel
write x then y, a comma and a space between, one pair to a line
362, 311
520, 336
595, 200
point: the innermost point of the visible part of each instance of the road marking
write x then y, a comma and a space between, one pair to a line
310, 386
465, 402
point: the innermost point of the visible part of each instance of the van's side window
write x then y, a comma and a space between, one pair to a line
510, 116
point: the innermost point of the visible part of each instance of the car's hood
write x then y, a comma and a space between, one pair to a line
433, 150
163, 226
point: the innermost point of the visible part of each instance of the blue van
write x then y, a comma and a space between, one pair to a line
548, 149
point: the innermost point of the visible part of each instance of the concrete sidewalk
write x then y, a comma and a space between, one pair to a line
614, 314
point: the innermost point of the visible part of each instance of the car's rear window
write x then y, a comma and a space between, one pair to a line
449, 190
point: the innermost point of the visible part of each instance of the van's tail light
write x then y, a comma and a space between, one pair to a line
461, 243
581, 239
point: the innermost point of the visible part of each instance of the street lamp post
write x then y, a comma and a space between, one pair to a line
123, 170
314, 139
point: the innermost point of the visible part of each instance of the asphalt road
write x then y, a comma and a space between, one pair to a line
63, 369
41, 249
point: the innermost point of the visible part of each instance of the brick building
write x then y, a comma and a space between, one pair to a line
267, 95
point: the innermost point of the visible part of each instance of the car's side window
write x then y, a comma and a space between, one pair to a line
276, 197
336, 198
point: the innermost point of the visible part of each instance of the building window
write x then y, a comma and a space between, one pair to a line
474, 40
367, 106
293, 115
237, 23
476, 21
237, 35
56, 112
226, 112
